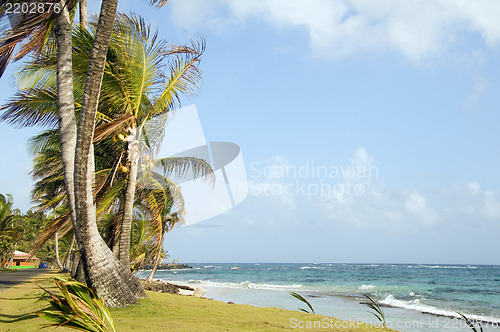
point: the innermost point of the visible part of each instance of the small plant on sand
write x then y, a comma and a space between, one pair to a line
301, 298
469, 323
78, 308
376, 310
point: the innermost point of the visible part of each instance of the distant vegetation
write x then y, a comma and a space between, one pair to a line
18, 232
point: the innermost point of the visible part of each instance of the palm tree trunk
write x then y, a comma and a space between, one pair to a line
77, 268
83, 14
117, 227
126, 224
66, 105
11, 261
157, 260
58, 261
103, 271
67, 259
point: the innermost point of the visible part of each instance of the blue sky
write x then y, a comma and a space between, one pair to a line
409, 88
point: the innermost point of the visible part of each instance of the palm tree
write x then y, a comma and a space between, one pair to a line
10, 234
180, 81
33, 32
168, 221
121, 83
30, 31
145, 95
103, 272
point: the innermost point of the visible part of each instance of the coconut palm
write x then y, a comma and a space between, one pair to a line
155, 192
168, 221
146, 94
106, 275
10, 234
35, 32
37, 104
103, 271
7, 213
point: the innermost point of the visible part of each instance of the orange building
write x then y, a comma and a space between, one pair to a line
22, 260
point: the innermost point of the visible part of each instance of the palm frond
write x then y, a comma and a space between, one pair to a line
33, 107
5, 58
158, 3
185, 76
180, 166
61, 224
45, 141
110, 195
29, 31
110, 128
79, 308
134, 66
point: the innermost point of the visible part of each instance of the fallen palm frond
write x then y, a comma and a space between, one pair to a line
78, 308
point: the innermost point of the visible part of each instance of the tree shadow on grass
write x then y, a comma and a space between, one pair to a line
17, 318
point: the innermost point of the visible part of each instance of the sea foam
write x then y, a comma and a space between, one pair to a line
416, 305
241, 285
366, 287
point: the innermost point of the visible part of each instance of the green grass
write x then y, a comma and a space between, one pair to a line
19, 304
159, 312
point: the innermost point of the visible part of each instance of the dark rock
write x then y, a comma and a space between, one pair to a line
164, 287
168, 266
183, 287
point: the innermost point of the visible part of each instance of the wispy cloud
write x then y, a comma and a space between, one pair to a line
338, 28
479, 88
376, 207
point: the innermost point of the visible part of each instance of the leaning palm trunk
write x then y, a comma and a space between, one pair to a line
126, 222
116, 231
103, 272
83, 14
67, 260
157, 260
58, 260
66, 106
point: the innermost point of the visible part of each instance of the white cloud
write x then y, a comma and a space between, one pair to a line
416, 205
337, 28
480, 86
474, 188
490, 208
365, 201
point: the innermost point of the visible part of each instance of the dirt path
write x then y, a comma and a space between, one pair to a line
12, 278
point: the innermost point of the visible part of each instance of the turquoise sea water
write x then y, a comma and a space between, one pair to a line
419, 297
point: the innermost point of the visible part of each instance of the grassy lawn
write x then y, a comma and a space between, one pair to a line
19, 304
159, 312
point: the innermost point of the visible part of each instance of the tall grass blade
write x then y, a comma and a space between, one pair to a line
376, 310
301, 298
469, 323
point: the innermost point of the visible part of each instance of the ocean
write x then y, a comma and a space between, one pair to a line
416, 297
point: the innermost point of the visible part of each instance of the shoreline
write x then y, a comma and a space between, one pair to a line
398, 318
162, 311
262, 284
